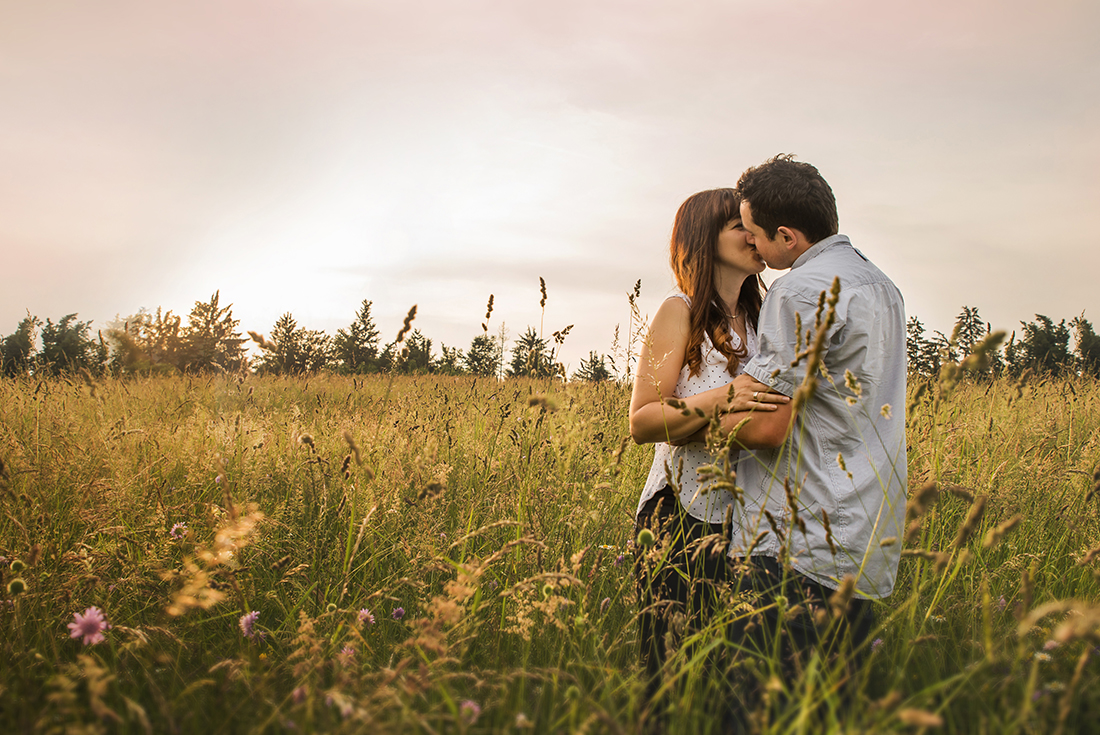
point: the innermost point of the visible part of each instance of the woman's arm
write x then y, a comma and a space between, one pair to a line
659, 365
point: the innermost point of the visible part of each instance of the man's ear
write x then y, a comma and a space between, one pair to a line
787, 237
791, 239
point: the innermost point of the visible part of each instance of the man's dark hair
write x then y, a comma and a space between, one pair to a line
787, 193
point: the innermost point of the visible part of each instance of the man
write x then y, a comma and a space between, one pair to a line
826, 484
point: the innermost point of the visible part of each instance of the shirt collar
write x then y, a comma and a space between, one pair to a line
820, 247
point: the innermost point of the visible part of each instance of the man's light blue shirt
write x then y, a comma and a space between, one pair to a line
846, 453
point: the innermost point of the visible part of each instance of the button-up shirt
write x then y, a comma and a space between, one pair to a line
844, 465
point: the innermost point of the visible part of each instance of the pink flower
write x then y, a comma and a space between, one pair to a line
247, 621
365, 616
179, 530
347, 652
89, 626
398, 613
469, 710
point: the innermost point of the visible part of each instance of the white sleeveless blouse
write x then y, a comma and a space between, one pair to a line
705, 505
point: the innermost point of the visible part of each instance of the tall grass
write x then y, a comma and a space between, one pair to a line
498, 516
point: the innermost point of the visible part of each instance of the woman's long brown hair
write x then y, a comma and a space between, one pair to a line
692, 251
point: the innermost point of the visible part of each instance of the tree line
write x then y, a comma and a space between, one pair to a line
209, 340
161, 342
1040, 348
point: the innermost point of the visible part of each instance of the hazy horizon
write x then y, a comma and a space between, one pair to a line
304, 157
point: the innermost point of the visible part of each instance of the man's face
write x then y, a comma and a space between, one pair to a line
774, 253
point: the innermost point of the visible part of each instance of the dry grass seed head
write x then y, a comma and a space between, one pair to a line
973, 520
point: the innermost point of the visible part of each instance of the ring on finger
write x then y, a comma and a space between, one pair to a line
755, 395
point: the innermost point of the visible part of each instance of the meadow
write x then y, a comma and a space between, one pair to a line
453, 554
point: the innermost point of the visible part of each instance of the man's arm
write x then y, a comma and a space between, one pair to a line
763, 430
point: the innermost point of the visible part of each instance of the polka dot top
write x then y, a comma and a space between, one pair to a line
682, 464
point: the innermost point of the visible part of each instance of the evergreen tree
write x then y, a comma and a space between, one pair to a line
295, 349
594, 369
146, 343
211, 339
1045, 346
417, 355
356, 348
67, 347
17, 349
969, 330
449, 362
923, 354
483, 357
1087, 347
531, 357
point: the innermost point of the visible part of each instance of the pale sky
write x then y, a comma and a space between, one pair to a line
304, 155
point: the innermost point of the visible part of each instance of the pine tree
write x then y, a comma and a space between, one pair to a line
17, 349
1045, 346
67, 347
295, 349
483, 357
450, 361
593, 369
356, 348
969, 330
531, 357
1087, 346
211, 339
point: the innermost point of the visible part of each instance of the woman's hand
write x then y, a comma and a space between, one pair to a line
743, 393
746, 393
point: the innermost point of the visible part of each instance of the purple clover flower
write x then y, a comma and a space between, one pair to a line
469, 710
366, 616
347, 652
247, 622
89, 626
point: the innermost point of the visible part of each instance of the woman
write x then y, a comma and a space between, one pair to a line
697, 344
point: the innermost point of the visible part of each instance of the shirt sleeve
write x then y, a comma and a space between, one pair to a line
778, 341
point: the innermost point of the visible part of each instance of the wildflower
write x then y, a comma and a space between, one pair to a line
876, 644
1050, 645
17, 586
619, 560
247, 621
17, 566
939, 619
469, 710
398, 613
645, 538
89, 626
347, 652
179, 530
1042, 657
1001, 604
365, 616
298, 695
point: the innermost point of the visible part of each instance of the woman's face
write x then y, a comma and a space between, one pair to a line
735, 251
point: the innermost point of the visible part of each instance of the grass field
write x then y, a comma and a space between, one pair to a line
330, 554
